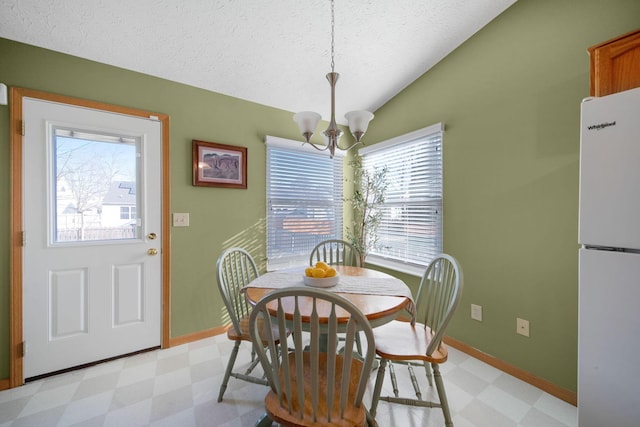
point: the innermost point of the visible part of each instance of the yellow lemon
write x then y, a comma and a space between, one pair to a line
330, 272
317, 272
322, 265
308, 271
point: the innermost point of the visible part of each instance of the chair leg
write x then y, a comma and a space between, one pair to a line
251, 367
227, 374
378, 387
371, 421
429, 376
442, 395
264, 421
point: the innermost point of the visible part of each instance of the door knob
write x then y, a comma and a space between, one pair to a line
152, 251
152, 236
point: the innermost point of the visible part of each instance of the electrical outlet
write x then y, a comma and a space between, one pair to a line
476, 312
522, 327
180, 219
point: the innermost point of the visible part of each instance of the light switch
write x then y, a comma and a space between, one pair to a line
476, 312
180, 219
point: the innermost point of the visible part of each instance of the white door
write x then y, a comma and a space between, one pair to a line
92, 222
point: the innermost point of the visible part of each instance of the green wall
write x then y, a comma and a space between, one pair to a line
509, 98
219, 217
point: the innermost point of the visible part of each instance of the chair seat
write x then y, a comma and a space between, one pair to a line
232, 334
354, 416
399, 340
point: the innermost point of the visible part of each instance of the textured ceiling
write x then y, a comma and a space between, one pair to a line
273, 52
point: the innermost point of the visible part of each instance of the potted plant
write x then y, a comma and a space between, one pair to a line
369, 191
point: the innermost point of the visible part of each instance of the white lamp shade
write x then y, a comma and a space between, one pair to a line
307, 121
358, 120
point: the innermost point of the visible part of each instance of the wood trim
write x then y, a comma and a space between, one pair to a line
207, 333
16, 225
15, 255
612, 40
4, 384
544, 385
166, 234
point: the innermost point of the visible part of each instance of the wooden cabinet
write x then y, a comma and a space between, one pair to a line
615, 64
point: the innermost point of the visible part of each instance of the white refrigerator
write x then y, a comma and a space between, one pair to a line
609, 262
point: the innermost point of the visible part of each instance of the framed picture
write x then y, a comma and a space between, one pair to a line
219, 165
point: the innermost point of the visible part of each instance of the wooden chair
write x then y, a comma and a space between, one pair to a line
235, 269
335, 252
401, 342
313, 385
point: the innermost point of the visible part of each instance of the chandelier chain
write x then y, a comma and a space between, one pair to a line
333, 64
308, 120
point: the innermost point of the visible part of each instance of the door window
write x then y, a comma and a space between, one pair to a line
95, 192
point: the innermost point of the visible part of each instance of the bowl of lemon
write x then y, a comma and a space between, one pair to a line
320, 275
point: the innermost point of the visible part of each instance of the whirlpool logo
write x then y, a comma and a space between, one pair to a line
601, 126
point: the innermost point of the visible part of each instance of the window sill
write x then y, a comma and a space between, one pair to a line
411, 269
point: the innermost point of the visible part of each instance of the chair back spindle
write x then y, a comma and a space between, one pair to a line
335, 252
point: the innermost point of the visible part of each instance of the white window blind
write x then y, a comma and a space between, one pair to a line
410, 232
304, 201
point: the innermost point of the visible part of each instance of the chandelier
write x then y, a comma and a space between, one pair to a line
358, 120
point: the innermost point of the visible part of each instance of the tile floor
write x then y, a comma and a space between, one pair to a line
178, 387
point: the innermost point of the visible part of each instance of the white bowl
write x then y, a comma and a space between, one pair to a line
324, 282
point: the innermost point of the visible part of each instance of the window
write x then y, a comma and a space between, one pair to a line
410, 232
127, 212
304, 201
94, 188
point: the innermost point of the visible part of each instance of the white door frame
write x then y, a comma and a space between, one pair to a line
16, 377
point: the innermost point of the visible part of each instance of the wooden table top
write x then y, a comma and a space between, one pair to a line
378, 309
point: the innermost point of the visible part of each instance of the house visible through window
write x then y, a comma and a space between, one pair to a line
304, 201
410, 232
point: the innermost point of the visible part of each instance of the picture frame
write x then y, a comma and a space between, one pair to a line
219, 165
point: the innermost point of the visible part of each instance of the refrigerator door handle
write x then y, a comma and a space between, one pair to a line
611, 249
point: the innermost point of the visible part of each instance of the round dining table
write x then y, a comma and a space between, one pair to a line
379, 296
